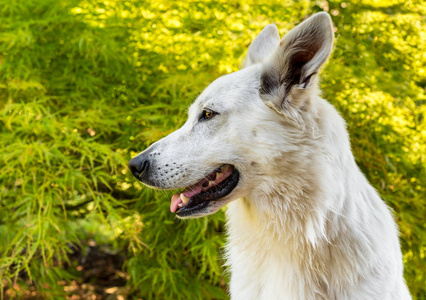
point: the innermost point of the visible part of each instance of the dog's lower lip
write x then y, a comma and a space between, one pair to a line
202, 200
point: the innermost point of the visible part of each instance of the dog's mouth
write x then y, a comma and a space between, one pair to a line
212, 187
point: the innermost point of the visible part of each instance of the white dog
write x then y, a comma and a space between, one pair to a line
303, 223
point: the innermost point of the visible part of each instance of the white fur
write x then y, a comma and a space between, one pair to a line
303, 222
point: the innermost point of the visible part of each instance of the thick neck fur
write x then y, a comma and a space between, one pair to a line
306, 231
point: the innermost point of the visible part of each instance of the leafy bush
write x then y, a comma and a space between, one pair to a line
85, 85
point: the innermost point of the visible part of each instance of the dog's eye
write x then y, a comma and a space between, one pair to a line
207, 114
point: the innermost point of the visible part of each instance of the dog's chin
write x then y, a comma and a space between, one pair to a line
214, 194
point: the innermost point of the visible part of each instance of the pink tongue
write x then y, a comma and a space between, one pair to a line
191, 191
196, 189
175, 201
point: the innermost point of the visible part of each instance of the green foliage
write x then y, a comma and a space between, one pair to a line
85, 85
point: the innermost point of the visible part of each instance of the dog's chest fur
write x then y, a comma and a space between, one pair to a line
266, 264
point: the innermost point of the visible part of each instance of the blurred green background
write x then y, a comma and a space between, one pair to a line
85, 85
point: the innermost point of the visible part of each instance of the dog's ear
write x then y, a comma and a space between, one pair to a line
263, 45
289, 76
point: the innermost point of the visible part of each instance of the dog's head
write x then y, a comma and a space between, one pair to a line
231, 134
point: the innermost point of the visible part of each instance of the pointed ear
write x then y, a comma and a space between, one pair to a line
263, 45
289, 75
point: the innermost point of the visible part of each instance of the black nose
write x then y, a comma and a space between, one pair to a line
138, 165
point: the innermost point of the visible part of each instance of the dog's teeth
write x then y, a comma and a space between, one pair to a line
218, 174
180, 204
184, 198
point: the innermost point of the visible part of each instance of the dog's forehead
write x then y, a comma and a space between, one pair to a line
230, 90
